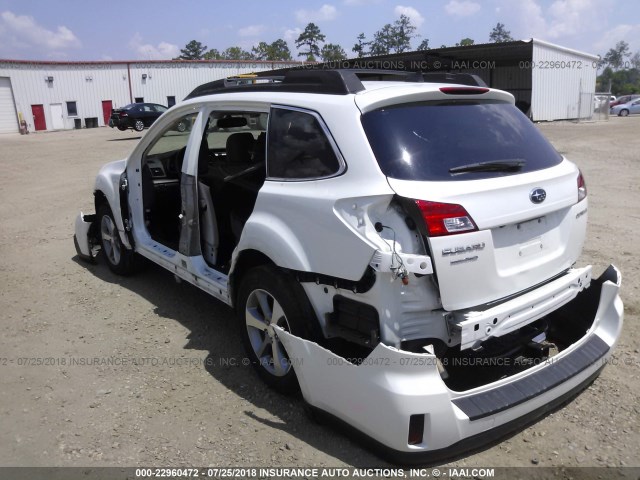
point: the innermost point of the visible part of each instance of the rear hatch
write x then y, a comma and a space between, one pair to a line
500, 208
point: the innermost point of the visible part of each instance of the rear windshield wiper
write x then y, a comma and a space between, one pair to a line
497, 166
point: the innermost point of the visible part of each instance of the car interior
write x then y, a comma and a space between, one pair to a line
231, 171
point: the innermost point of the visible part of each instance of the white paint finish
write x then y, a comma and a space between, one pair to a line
502, 212
369, 100
57, 118
402, 384
8, 118
477, 326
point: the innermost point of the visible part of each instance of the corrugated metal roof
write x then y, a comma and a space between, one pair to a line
150, 62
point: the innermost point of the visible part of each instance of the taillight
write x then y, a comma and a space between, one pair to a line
463, 90
582, 187
445, 218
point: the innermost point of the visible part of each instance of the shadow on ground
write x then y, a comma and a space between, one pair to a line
123, 139
213, 328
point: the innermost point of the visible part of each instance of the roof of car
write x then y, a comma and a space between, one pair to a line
330, 82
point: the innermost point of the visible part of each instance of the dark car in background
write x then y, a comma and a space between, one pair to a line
136, 115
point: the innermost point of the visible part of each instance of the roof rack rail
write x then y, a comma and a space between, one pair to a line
333, 82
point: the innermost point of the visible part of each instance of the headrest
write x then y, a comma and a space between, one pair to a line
240, 147
231, 122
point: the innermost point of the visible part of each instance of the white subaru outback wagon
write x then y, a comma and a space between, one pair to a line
400, 247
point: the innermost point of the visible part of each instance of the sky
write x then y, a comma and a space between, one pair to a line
69, 30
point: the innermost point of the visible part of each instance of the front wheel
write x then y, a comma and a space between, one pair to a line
181, 127
269, 297
138, 125
122, 128
119, 258
623, 113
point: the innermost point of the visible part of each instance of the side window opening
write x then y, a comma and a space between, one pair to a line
299, 148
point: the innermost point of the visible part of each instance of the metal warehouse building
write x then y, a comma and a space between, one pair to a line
553, 82
549, 81
66, 95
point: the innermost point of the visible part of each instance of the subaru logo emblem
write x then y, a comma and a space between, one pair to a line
537, 195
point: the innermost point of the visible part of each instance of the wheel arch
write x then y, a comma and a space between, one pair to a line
245, 261
100, 198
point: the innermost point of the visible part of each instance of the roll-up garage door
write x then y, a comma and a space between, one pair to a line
8, 119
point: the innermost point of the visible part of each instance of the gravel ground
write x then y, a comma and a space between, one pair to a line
175, 397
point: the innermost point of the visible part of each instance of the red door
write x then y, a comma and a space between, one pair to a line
39, 122
106, 111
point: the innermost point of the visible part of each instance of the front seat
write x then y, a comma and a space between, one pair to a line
240, 149
240, 155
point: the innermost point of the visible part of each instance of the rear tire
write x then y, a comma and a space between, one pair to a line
121, 260
138, 125
268, 297
181, 127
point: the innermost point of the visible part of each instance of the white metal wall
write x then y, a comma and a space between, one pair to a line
558, 77
8, 119
89, 84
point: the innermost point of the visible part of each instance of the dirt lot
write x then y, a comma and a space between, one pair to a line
181, 404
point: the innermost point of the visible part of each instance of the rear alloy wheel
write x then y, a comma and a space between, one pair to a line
181, 127
119, 258
624, 113
269, 297
138, 125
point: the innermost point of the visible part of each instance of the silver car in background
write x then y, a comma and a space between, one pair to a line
625, 109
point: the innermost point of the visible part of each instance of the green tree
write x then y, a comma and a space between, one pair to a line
403, 31
332, 52
212, 54
465, 42
310, 38
615, 57
499, 34
193, 50
382, 41
236, 53
424, 45
278, 50
622, 82
361, 47
393, 38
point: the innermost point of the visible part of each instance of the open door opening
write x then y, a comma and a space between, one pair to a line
231, 171
161, 170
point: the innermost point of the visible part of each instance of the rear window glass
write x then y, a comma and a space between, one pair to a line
298, 147
423, 141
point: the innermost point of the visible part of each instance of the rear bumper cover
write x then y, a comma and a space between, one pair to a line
378, 396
